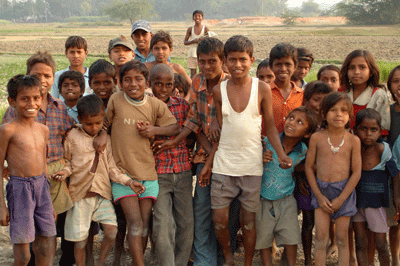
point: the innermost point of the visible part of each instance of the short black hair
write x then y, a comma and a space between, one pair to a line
90, 105
209, 46
136, 65
198, 12
238, 43
368, 113
328, 67
160, 69
315, 87
75, 41
263, 63
72, 75
161, 36
283, 50
40, 57
101, 66
181, 82
22, 82
305, 55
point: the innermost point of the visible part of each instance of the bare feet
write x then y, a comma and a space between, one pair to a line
332, 249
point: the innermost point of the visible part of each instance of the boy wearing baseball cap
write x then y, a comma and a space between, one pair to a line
141, 34
120, 51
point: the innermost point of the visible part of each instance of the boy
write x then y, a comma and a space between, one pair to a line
237, 166
102, 79
264, 72
193, 36
277, 213
305, 60
173, 211
285, 94
314, 93
89, 175
120, 51
141, 34
161, 47
71, 86
29, 212
76, 52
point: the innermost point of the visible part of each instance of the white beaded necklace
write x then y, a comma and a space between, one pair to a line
333, 148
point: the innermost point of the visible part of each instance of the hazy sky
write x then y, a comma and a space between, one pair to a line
323, 3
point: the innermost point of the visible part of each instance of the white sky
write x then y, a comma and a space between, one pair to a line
323, 3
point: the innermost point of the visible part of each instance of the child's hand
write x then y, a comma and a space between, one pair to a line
4, 216
200, 158
267, 156
214, 132
146, 130
336, 204
100, 142
325, 204
60, 175
303, 187
285, 162
137, 187
204, 176
160, 145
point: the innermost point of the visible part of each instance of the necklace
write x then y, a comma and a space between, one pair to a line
335, 149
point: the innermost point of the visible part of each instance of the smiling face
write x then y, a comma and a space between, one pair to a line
338, 116
210, 65
368, 131
283, 68
76, 56
120, 54
92, 124
315, 101
239, 64
330, 77
70, 90
161, 51
134, 84
142, 39
102, 85
296, 125
358, 71
302, 70
198, 18
28, 102
46, 75
265, 74
162, 86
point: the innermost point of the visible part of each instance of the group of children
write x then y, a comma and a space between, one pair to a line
112, 144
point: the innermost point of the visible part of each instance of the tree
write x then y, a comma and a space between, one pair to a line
310, 8
272, 7
289, 17
132, 10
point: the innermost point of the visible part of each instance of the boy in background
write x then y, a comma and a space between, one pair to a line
264, 72
194, 35
286, 96
30, 212
304, 64
120, 51
71, 86
141, 34
181, 86
102, 79
76, 52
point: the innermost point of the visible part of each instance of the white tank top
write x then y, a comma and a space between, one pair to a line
193, 47
240, 149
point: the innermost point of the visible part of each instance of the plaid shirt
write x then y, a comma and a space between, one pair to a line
58, 121
174, 160
202, 110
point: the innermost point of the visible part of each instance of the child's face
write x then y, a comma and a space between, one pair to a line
28, 102
70, 90
181, 92
283, 68
198, 18
134, 84
92, 124
102, 85
162, 86
161, 51
315, 101
330, 77
296, 125
120, 54
210, 65
338, 115
142, 39
395, 84
358, 71
302, 69
265, 74
76, 56
46, 75
239, 63
368, 131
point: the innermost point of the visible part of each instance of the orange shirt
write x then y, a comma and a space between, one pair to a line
282, 106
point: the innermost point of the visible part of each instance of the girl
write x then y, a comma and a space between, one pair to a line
393, 84
336, 154
330, 74
360, 81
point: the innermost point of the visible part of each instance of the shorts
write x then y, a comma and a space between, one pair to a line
192, 62
332, 190
31, 211
375, 218
277, 218
120, 191
225, 188
303, 201
79, 218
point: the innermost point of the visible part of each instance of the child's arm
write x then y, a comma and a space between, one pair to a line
323, 202
149, 131
6, 134
355, 173
186, 40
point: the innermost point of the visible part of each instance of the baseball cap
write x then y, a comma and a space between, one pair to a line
141, 25
121, 40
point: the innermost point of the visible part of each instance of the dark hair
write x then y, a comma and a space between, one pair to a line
209, 46
181, 82
75, 41
238, 43
90, 105
198, 12
22, 82
72, 75
136, 65
159, 69
372, 65
263, 63
389, 81
283, 50
331, 100
328, 67
315, 87
311, 116
40, 57
305, 55
161, 36
101, 66
368, 113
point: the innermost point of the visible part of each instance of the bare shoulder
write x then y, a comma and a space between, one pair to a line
43, 128
206, 29
317, 136
354, 140
7, 129
263, 88
217, 91
178, 68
